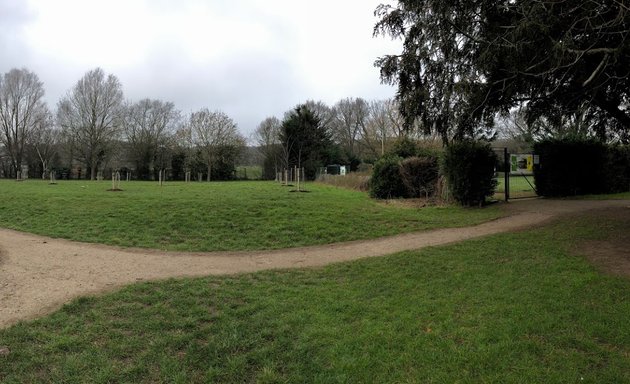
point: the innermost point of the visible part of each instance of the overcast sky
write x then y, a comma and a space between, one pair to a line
250, 59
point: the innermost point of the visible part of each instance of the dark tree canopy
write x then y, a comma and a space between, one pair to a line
465, 60
305, 140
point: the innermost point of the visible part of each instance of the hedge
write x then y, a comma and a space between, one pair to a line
572, 167
469, 169
386, 182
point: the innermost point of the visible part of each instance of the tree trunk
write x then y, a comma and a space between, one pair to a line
44, 170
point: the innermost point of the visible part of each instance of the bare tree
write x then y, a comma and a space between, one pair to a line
323, 112
91, 113
183, 140
148, 126
382, 126
581, 122
267, 137
22, 110
214, 133
350, 120
374, 134
44, 140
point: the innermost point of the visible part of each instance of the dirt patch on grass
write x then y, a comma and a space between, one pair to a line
611, 255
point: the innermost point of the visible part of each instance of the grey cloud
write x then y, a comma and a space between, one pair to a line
247, 87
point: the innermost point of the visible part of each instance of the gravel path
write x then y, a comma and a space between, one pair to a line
39, 274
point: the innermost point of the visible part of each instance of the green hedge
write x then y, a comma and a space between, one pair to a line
395, 177
469, 169
386, 182
618, 169
572, 167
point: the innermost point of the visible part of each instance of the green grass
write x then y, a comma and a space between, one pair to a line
519, 186
249, 172
511, 308
213, 216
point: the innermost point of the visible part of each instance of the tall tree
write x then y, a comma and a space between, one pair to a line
218, 139
44, 141
434, 67
323, 112
464, 61
351, 116
22, 111
563, 57
267, 138
148, 126
306, 141
378, 129
91, 113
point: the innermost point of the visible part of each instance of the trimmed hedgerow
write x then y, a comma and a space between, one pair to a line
618, 169
571, 167
469, 167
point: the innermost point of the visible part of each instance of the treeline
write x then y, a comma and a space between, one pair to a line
351, 132
94, 131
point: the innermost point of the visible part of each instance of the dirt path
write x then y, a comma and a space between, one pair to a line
39, 274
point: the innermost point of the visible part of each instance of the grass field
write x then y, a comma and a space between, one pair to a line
511, 308
249, 172
519, 186
213, 216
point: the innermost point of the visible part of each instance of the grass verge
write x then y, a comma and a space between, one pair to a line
213, 216
511, 308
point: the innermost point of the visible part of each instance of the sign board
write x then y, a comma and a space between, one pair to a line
522, 164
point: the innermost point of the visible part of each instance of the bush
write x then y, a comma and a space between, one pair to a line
386, 182
469, 169
420, 175
571, 167
404, 148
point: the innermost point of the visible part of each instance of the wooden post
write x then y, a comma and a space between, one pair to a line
298, 181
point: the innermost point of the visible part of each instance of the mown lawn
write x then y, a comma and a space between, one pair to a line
213, 216
511, 308
520, 186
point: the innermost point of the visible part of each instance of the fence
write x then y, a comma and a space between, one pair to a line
514, 175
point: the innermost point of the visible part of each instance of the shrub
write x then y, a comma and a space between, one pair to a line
420, 175
570, 167
469, 169
386, 182
404, 148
